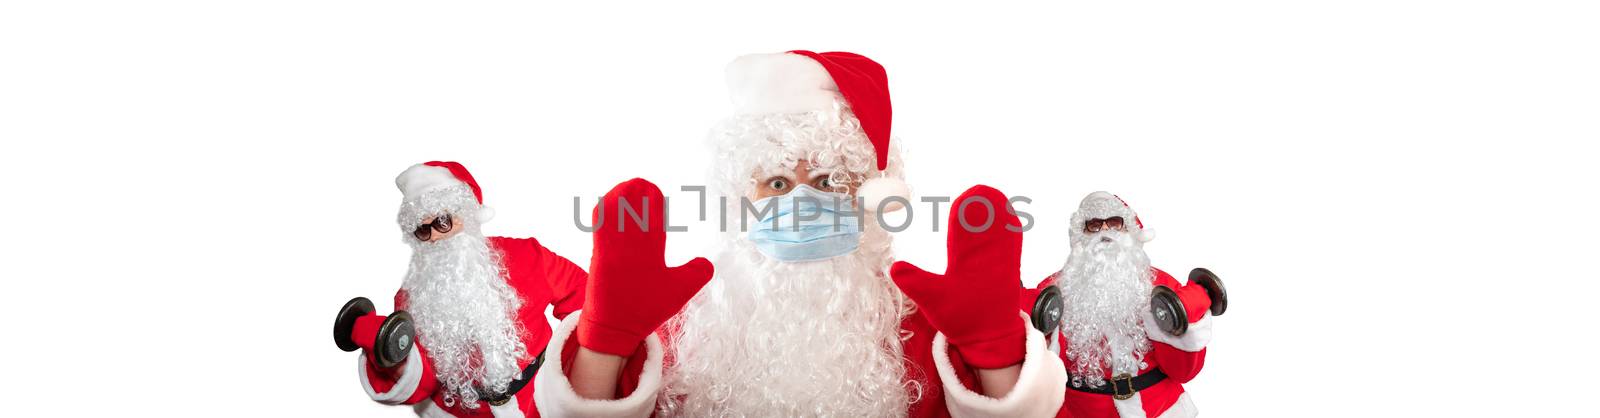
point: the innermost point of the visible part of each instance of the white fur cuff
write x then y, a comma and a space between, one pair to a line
553, 394
1195, 339
410, 378
1041, 385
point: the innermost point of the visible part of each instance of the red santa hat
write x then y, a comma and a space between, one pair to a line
1103, 205
420, 178
804, 81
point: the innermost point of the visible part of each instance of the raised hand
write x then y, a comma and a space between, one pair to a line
975, 302
631, 291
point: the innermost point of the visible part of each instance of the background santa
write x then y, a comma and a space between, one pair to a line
1121, 363
801, 317
477, 302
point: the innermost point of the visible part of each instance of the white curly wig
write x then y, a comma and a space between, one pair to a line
750, 146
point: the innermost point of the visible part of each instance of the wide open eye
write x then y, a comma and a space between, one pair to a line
778, 183
823, 183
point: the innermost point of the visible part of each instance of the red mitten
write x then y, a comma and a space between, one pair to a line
1195, 301
365, 333
975, 302
631, 291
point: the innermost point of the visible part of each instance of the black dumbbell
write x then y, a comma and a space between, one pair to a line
345, 323
1168, 311
395, 334
1213, 285
395, 338
1047, 310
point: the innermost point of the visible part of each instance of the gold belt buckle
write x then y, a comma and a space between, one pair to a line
1120, 381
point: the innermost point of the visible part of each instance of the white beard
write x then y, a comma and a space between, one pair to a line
465, 314
1106, 286
768, 338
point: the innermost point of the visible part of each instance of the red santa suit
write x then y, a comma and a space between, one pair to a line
541, 278
1180, 358
633, 292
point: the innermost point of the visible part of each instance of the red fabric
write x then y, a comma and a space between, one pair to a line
460, 172
865, 85
632, 291
541, 278
972, 302
383, 380
1196, 302
365, 333
1180, 367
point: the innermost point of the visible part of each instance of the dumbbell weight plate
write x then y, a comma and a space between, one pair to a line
1214, 289
1047, 310
1168, 311
346, 322
395, 338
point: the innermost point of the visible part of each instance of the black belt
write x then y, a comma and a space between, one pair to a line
498, 399
1123, 386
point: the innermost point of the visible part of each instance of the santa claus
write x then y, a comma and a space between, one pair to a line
801, 317
477, 302
1122, 363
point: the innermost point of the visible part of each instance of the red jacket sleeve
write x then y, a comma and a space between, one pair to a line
565, 279
538, 267
1180, 366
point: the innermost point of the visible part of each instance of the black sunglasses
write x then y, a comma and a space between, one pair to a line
1097, 225
441, 224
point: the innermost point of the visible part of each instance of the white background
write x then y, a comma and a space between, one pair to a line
1398, 193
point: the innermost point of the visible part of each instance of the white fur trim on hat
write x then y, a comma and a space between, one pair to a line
485, 214
421, 177
779, 83
876, 191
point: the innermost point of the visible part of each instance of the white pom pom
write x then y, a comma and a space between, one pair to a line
485, 214
1146, 234
875, 191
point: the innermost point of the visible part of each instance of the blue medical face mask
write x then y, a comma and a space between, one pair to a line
806, 225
